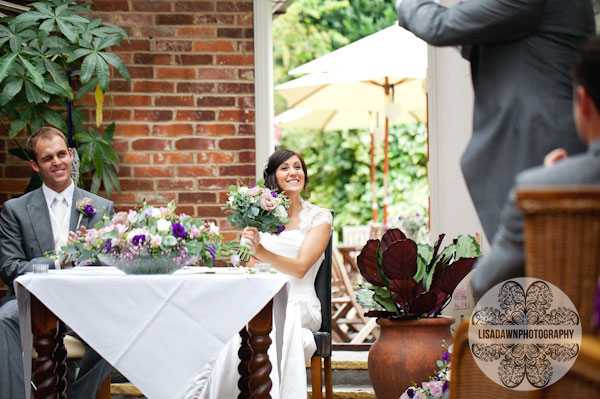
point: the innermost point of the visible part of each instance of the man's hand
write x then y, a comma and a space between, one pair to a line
554, 156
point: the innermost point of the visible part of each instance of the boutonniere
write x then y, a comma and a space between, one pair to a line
85, 208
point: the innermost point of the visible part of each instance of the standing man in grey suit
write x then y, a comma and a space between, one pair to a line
30, 226
506, 259
521, 52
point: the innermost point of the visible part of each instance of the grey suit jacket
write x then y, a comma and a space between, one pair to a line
26, 230
521, 54
506, 259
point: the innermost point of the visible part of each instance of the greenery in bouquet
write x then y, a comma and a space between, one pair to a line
437, 385
156, 232
410, 280
256, 206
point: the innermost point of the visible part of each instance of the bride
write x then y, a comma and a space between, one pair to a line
298, 252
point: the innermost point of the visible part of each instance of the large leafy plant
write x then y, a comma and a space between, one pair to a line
410, 280
50, 57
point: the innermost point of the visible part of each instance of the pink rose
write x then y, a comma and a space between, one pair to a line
267, 202
254, 191
435, 388
120, 218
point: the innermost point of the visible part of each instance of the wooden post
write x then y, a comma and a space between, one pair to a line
245, 355
260, 366
47, 341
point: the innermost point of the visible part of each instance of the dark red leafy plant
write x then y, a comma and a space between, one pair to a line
409, 280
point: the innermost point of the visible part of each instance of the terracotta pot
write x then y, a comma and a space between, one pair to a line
406, 352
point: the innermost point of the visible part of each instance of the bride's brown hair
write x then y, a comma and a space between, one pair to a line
276, 159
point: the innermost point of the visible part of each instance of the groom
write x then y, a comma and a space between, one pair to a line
31, 225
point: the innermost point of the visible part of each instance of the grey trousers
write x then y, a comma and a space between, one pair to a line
92, 372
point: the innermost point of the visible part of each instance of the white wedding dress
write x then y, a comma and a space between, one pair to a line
219, 378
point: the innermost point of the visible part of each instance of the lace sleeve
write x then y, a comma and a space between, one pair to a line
313, 215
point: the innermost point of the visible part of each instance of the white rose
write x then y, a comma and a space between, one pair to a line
163, 225
243, 190
281, 212
155, 241
156, 213
131, 216
214, 229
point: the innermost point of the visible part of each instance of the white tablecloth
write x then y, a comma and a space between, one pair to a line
158, 330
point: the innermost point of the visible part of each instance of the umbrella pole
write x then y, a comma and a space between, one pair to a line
386, 161
386, 170
373, 189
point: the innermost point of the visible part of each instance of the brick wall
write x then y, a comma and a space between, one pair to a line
185, 124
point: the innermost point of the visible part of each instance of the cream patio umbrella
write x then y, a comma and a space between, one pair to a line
382, 74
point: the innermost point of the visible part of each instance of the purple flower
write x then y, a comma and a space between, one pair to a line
445, 386
446, 356
211, 251
138, 240
178, 231
280, 229
107, 245
410, 392
252, 185
89, 210
273, 194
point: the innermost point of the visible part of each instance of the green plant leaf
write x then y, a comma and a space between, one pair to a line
6, 64
33, 94
67, 29
107, 183
58, 74
109, 152
88, 66
96, 182
108, 41
80, 52
82, 138
36, 77
53, 88
103, 72
16, 126
113, 177
30, 16
12, 87
118, 63
86, 88
47, 26
98, 160
53, 118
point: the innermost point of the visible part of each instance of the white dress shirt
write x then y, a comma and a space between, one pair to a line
60, 228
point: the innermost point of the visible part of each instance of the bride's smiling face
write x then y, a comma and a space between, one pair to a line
290, 175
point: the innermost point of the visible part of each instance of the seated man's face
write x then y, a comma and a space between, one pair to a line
53, 162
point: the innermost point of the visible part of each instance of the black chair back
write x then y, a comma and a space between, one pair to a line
323, 288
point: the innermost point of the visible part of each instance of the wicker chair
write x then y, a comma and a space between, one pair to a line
562, 246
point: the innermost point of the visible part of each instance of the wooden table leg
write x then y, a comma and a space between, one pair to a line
260, 366
245, 355
48, 343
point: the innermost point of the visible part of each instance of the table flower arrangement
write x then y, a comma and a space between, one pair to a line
145, 236
437, 385
256, 206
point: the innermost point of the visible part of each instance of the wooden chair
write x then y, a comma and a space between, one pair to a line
323, 336
348, 316
562, 246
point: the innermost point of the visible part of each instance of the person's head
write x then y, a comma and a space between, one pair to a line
586, 85
286, 171
51, 157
